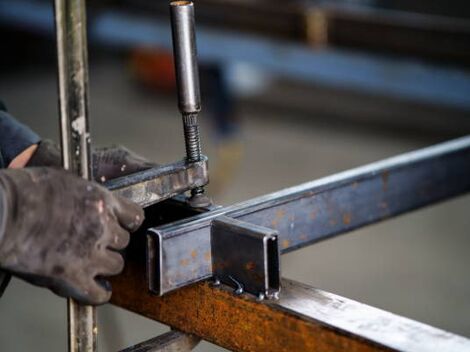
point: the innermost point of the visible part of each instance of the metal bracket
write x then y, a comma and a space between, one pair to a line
161, 182
241, 255
245, 255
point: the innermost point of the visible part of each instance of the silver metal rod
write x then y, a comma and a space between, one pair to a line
70, 22
187, 81
185, 53
187, 74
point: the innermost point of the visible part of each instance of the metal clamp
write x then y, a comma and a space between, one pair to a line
162, 182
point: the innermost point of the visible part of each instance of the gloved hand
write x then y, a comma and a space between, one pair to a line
116, 161
108, 163
63, 232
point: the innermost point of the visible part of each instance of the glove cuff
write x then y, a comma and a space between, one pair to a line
46, 154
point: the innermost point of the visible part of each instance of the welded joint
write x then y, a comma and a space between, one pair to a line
242, 255
245, 257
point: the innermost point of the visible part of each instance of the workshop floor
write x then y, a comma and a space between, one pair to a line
416, 265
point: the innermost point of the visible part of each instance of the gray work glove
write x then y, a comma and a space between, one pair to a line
108, 163
63, 232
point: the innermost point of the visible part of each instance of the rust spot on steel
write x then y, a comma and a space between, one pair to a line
184, 262
385, 176
347, 218
194, 254
285, 243
238, 323
207, 256
280, 213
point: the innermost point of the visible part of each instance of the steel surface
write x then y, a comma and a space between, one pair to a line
320, 209
162, 182
185, 53
303, 319
245, 256
72, 54
172, 341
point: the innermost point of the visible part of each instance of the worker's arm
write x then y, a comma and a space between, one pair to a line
17, 141
62, 232
20, 146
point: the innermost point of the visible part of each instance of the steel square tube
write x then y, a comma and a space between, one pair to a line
317, 210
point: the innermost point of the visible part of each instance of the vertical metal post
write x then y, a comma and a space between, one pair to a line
70, 22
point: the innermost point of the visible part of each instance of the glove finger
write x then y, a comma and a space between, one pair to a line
129, 214
88, 290
119, 238
96, 293
113, 162
111, 263
85, 290
69, 288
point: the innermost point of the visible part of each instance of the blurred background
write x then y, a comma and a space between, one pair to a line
292, 91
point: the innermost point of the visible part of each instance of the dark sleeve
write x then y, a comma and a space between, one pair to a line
14, 137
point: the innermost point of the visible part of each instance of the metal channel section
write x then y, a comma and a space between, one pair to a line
246, 256
303, 319
72, 53
180, 253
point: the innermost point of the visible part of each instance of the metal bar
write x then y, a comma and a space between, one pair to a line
409, 80
407, 30
162, 182
172, 341
303, 319
185, 52
317, 210
187, 81
70, 22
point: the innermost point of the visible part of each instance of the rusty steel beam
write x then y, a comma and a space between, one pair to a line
303, 319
